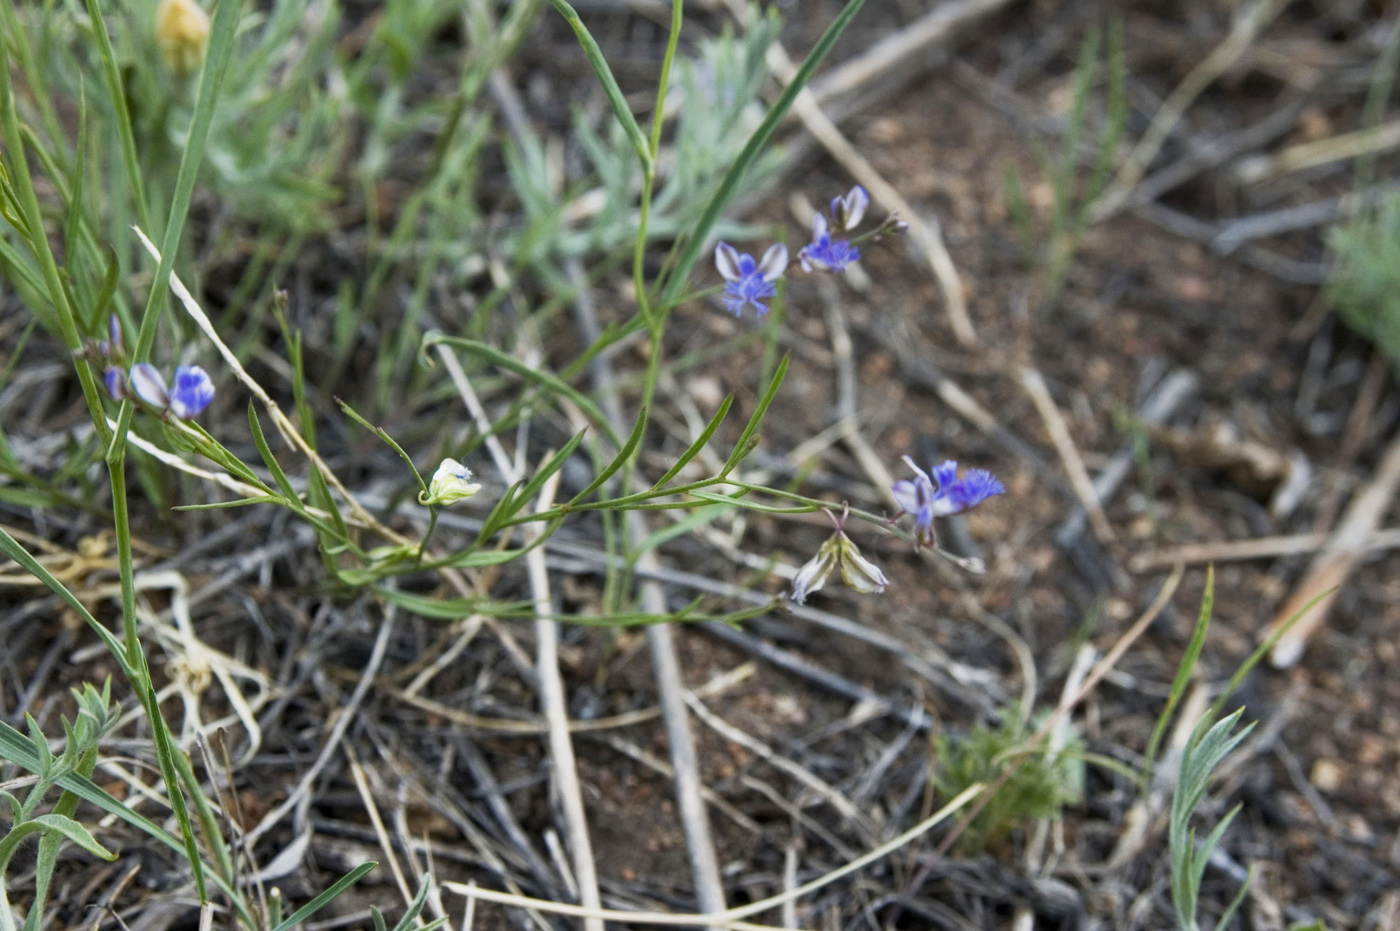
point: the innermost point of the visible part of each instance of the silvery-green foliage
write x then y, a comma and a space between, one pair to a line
1365, 282
1205, 749
716, 108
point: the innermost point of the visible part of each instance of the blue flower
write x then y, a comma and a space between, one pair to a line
748, 282
192, 392
944, 493
823, 252
117, 385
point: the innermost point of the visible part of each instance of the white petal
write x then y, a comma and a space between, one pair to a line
727, 261
774, 262
855, 204
149, 384
812, 576
860, 573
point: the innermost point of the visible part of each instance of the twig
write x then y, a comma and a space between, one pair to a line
1232, 234
1035, 386
1334, 564
690, 804
901, 56
561, 748
731, 733
337, 731
1159, 406
1249, 22
731, 917
1259, 548
372, 809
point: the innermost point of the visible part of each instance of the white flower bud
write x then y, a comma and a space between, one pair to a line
451, 483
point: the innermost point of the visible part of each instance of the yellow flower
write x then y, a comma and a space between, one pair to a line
182, 32
451, 483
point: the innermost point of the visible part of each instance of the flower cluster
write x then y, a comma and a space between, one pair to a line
925, 496
942, 493
833, 255
190, 394
749, 283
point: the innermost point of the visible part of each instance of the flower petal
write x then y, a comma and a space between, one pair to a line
774, 262
906, 495
813, 575
117, 387
858, 572
149, 385
853, 207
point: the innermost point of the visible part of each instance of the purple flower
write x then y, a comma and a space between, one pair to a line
748, 282
944, 493
823, 252
111, 348
191, 393
849, 210
117, 385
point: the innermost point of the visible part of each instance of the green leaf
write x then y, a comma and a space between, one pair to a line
280, 477
534, 374
1183, 675
605, 76
327, 897
624, 454
700, 442
742, 447
76, 833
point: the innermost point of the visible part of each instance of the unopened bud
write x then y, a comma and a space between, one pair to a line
182, 32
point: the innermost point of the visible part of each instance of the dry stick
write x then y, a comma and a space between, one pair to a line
1331, 568
551, 689
1260, 548
376, 822
1249, 22
690, 804
337, 732
1345, 146
927, 235
1232, 234
1159, 406
1079, 479
900, 56
775, 759
1206, 155
1281, 267
730, 917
